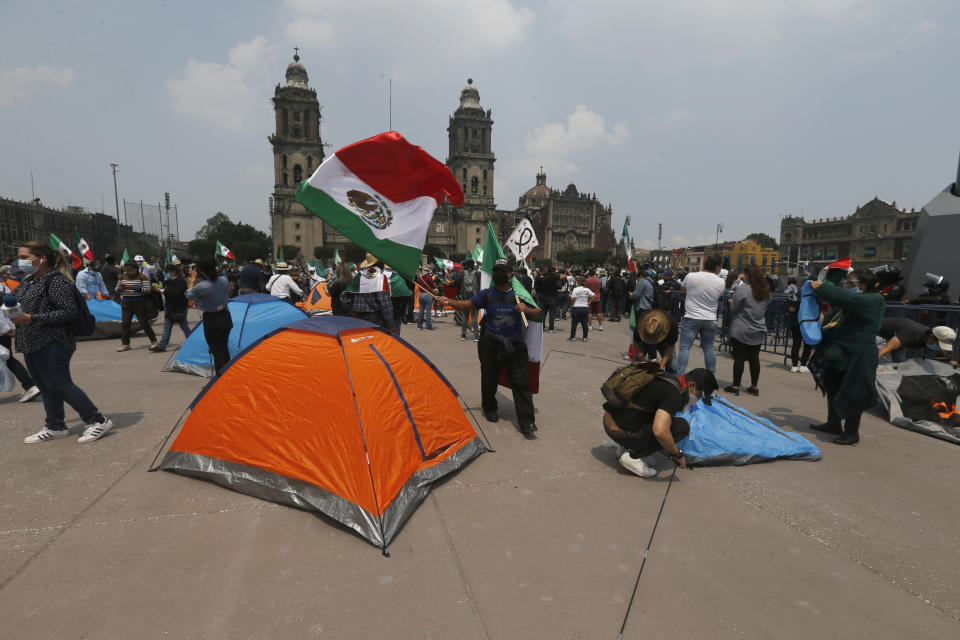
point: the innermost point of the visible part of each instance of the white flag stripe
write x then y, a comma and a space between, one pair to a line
411, 219
523, 240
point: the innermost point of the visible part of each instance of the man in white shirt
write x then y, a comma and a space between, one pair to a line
580, 299
281, 285
704, 290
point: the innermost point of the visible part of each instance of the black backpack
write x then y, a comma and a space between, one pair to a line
661, 299
84, 324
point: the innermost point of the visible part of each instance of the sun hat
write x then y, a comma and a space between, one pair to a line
653, 326
945, 337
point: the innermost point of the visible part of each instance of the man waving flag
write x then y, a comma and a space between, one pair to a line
381, 193
512, 338
57, 243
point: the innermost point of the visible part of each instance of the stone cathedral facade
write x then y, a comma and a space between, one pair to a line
563, 220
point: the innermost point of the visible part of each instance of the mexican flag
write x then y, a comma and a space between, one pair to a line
381, 193
125, 258
446, 265
83, 247
533, 334
172, 257
223, 252
57, 243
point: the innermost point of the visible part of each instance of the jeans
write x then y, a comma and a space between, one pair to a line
216, 331
135, 308
549, 305
564, 304
516, 364
689, 330
578, 315
642, 443
168, 329
50, 369
426, 301
797, 339
472, 321
18, 370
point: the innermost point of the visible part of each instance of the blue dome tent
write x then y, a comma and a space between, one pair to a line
254, 316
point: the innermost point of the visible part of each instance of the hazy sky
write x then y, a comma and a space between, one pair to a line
688, 112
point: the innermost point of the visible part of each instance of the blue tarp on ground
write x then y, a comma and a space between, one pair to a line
254, 316
107, 314
723, 433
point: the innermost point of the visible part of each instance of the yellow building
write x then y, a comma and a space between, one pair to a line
744, 252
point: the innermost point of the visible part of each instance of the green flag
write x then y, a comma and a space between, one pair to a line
280, 254
125, 258
491, 252
336, 256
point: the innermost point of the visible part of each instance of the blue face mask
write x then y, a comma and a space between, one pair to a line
27, 266
933, 347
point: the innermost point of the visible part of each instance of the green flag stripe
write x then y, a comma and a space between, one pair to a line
402, 258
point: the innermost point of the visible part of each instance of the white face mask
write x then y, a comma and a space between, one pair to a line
26, 265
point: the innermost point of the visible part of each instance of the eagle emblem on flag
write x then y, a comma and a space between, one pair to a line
372, 208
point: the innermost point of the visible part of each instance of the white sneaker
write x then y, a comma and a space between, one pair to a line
96, 430
124, 347
46, 434
29, 394
794, 369
600, 328
803, 369
639, 466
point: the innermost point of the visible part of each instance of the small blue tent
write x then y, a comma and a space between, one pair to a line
254, 316
723, 433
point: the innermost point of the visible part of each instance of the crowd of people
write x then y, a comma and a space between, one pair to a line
664, 328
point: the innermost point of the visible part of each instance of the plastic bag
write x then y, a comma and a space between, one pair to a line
7, 381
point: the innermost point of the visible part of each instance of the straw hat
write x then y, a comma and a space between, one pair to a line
282, 266
369, 261
653, 326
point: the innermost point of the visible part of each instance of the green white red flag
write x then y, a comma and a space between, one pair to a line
532, 334
381, 193
57, 244
223, 252
83, 247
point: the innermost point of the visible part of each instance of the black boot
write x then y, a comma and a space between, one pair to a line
827, 428
847, 438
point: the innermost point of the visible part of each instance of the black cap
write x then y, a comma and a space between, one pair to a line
706, 382
501, 263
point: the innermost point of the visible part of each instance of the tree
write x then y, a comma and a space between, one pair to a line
246, 242
290, 252
202, 248
765, 241
353, 252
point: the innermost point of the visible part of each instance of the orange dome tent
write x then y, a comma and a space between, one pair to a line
318, 301
381, 425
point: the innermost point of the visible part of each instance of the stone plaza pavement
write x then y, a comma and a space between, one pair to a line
540, 539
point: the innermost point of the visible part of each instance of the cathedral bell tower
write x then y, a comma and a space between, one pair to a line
297, 152
470, 159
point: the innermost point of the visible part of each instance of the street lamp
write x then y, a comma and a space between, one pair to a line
116, 199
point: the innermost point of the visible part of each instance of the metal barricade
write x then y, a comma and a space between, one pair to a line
780, 321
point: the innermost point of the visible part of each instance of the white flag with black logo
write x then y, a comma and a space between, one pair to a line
523, 240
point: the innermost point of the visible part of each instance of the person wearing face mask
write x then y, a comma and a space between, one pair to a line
845, 362
90, 283
175, 306
49, 303
209, 292
501, 344
902, 334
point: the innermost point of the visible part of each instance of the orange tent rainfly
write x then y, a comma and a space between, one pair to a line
318, 301
381, 425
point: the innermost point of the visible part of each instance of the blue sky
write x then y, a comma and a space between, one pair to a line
703, 111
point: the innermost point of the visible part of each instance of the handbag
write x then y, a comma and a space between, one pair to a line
7, 381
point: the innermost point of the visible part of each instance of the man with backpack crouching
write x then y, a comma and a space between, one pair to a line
641, 411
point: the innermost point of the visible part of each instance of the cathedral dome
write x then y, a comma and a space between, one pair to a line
539, 190
470, 97
297, 73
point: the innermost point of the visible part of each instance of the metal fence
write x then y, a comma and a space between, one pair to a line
779, 321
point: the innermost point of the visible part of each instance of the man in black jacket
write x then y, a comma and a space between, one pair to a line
175, 306
546, 288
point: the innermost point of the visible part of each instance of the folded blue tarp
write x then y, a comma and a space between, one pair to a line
108, 315
723, 433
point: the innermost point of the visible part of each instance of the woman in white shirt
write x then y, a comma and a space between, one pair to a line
580, 299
